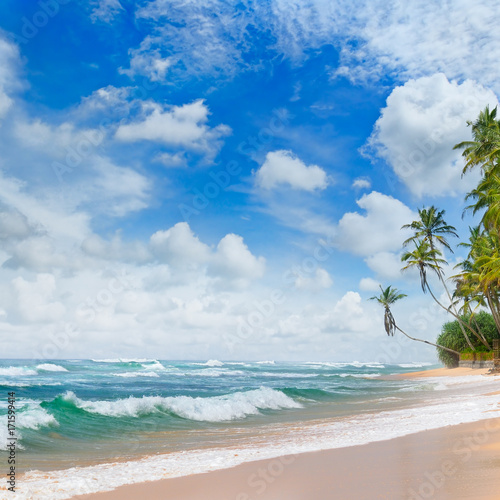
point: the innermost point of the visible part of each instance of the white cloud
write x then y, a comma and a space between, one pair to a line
369, 285
34, 299
148, 61
54, 220
234, 260
9, 62
387, 265
362, 183
375, 37
119, 190
419, 126
378, 230
106, 10
177, 126
283, 167
179, 245
177, 160
320, 280
348, 313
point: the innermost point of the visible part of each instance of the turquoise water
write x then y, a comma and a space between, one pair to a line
79, 412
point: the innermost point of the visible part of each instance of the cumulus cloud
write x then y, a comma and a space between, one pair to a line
419, 126
234, 260
284, 168
176, 126
179, 245
378, 230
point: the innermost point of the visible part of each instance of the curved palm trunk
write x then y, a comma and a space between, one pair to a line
493, 305
427, 342
460, 322
455, 313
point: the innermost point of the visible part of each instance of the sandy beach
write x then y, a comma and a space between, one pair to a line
454, 462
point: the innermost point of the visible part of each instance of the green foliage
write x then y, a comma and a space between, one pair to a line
452, 337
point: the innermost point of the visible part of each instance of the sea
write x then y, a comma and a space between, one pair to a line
84, 426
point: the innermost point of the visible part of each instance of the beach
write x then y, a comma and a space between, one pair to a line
455, 462
458, 462
254, 430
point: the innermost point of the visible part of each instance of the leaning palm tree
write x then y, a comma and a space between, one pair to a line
424, 258
386, 299
432, 229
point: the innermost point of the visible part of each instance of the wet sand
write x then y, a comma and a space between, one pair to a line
453, 463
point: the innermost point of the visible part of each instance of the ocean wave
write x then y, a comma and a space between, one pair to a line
413, 365
49, 367
214, 362
355, 364
17, 371
125, 360
153, 365
286, 375
211, 409
265, 363
135, 374
34, 418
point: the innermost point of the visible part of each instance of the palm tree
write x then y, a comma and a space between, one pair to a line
386, 299
484, 149
425, 258
431, 227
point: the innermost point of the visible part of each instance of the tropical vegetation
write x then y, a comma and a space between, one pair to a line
476, 284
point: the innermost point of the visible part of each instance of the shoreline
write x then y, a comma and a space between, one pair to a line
451, 462
430, 460
330, 437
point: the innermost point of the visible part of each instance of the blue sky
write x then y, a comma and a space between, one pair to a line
228, 180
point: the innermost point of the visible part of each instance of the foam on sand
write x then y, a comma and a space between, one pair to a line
337, 433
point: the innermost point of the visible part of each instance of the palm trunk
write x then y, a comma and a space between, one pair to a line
493, 305
460, 322
427, 342
455, 313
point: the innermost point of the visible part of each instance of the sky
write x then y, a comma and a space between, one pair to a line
228, 180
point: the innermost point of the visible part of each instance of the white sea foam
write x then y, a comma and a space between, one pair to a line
17, 371
265, 363
414, 365
49, 367
124, 360
355, 364
286, 375
338, 433
153, 365
211, 409
214, 362
135, 374
30, 416
34, 418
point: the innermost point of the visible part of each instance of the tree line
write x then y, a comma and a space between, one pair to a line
475, 286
